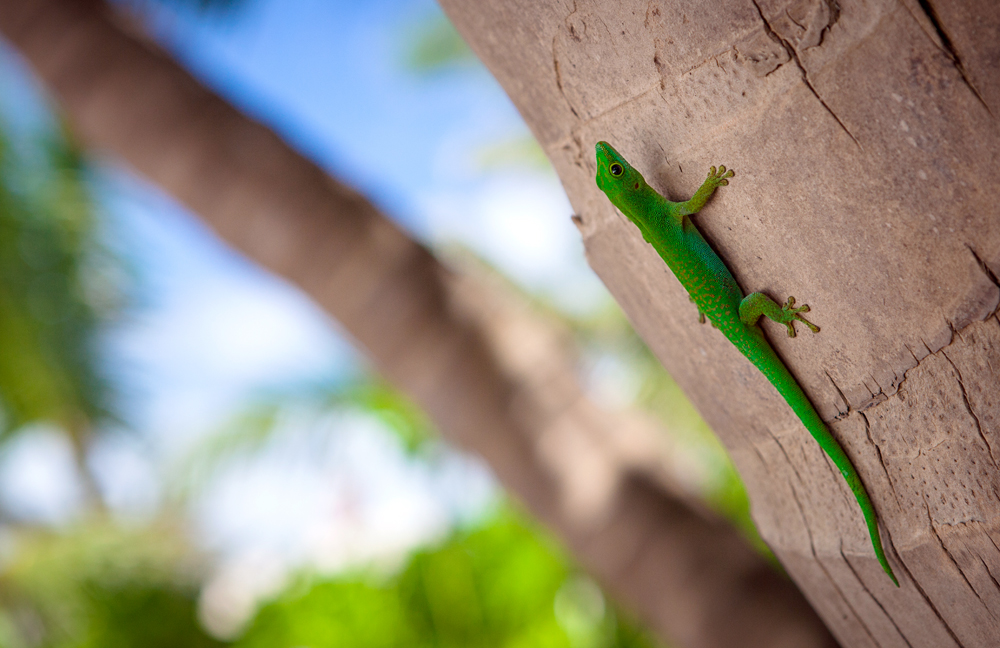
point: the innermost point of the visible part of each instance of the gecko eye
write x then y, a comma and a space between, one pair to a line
616, 169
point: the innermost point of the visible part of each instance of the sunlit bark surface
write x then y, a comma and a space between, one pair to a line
866, 145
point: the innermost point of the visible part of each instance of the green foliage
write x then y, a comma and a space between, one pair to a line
261, 423
393, 409
435, 45
502, 585
521, 153
99, 587
49, 306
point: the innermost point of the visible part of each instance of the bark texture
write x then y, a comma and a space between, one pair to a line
488, 374
865, 140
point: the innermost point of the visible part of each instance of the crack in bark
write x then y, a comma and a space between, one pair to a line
881, 461
873, 597
941, 351
994, 542
920, 589
760, 455
802, 70
713, 57
923, 594
930, 522
972, 413
937, 613
843, 397
989, 572
982, 266
949, 50
882, 391
787, 458
915, 358
559, 84
805, 523
576, 129
819, 563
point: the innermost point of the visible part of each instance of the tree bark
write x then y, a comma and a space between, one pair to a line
510, 397
865, 141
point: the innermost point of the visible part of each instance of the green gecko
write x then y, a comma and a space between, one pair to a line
665, 225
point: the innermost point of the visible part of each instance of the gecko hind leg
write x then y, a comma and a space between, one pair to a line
756, 305
701, 316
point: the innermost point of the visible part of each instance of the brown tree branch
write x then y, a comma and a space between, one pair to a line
866, 142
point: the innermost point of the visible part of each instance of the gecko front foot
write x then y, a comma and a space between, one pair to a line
720, 177
790, 313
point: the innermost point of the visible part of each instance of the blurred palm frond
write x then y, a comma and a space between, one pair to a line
52, 301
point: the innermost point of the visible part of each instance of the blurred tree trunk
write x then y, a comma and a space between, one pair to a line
866, 145
489, 375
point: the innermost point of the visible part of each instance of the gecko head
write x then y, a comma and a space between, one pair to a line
615, 176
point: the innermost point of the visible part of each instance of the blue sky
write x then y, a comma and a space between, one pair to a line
332, 78
211, 330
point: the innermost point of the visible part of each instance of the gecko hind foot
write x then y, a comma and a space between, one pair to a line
790, 313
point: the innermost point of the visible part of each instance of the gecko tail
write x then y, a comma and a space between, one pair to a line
765, 359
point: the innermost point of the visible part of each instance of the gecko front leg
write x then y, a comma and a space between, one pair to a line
758, 304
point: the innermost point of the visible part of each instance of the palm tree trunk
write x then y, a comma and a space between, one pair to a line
423, 327
866, 144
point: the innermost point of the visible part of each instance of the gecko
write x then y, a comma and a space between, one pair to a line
667, 226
